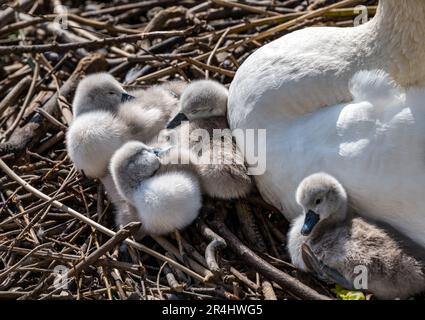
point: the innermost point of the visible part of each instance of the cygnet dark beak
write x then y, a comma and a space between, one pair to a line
311, 219
159, 152
177, 121
126, 97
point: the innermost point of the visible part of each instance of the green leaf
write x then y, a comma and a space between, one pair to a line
13, 36
345, 294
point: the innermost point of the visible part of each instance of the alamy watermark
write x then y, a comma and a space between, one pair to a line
362, 15
61, 277
223, 146
362, 277
61, 20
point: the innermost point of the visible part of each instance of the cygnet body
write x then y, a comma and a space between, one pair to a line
220, 164
164, 201
96, 132
106, 116
344, 243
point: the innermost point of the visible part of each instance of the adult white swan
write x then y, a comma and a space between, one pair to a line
293, 86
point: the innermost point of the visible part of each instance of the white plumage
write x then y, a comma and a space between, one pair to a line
295, 88
377, 152
98, 91
375, 86
167, 202
97, 130
105, 119
164, 201
92, 139
204, 99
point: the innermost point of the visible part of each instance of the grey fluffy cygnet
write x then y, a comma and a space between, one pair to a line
164, 201
106, 116
203, 105
342, 242
99, 91
96, 132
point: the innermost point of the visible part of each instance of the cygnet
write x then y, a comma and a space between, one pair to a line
345, 244
203, 105
164, 201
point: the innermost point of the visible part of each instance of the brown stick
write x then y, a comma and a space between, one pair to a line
92, 223
8, 14
120, 236
14, 93
293, 285
29, 134
268, 291
201, 65
90, 45
5, 273
216, 243
162, 16
213, 52
142, 5
41, 253
234, 4
309, 15
249, 227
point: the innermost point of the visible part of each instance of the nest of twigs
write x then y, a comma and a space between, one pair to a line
55, 222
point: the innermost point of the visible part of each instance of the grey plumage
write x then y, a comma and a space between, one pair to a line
148, 114
204, 104
99, 91
103, 122
342, 241
105, 119
204, 99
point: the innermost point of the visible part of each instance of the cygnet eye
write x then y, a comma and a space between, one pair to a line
111, 92
158, 151
318, 201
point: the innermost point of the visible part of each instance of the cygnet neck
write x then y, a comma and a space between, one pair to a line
398, 32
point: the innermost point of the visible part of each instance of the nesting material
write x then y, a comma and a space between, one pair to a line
182, 45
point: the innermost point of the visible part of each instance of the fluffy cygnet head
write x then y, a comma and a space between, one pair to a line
99, 91
133, 163
322, 198
201, 99
164, 201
